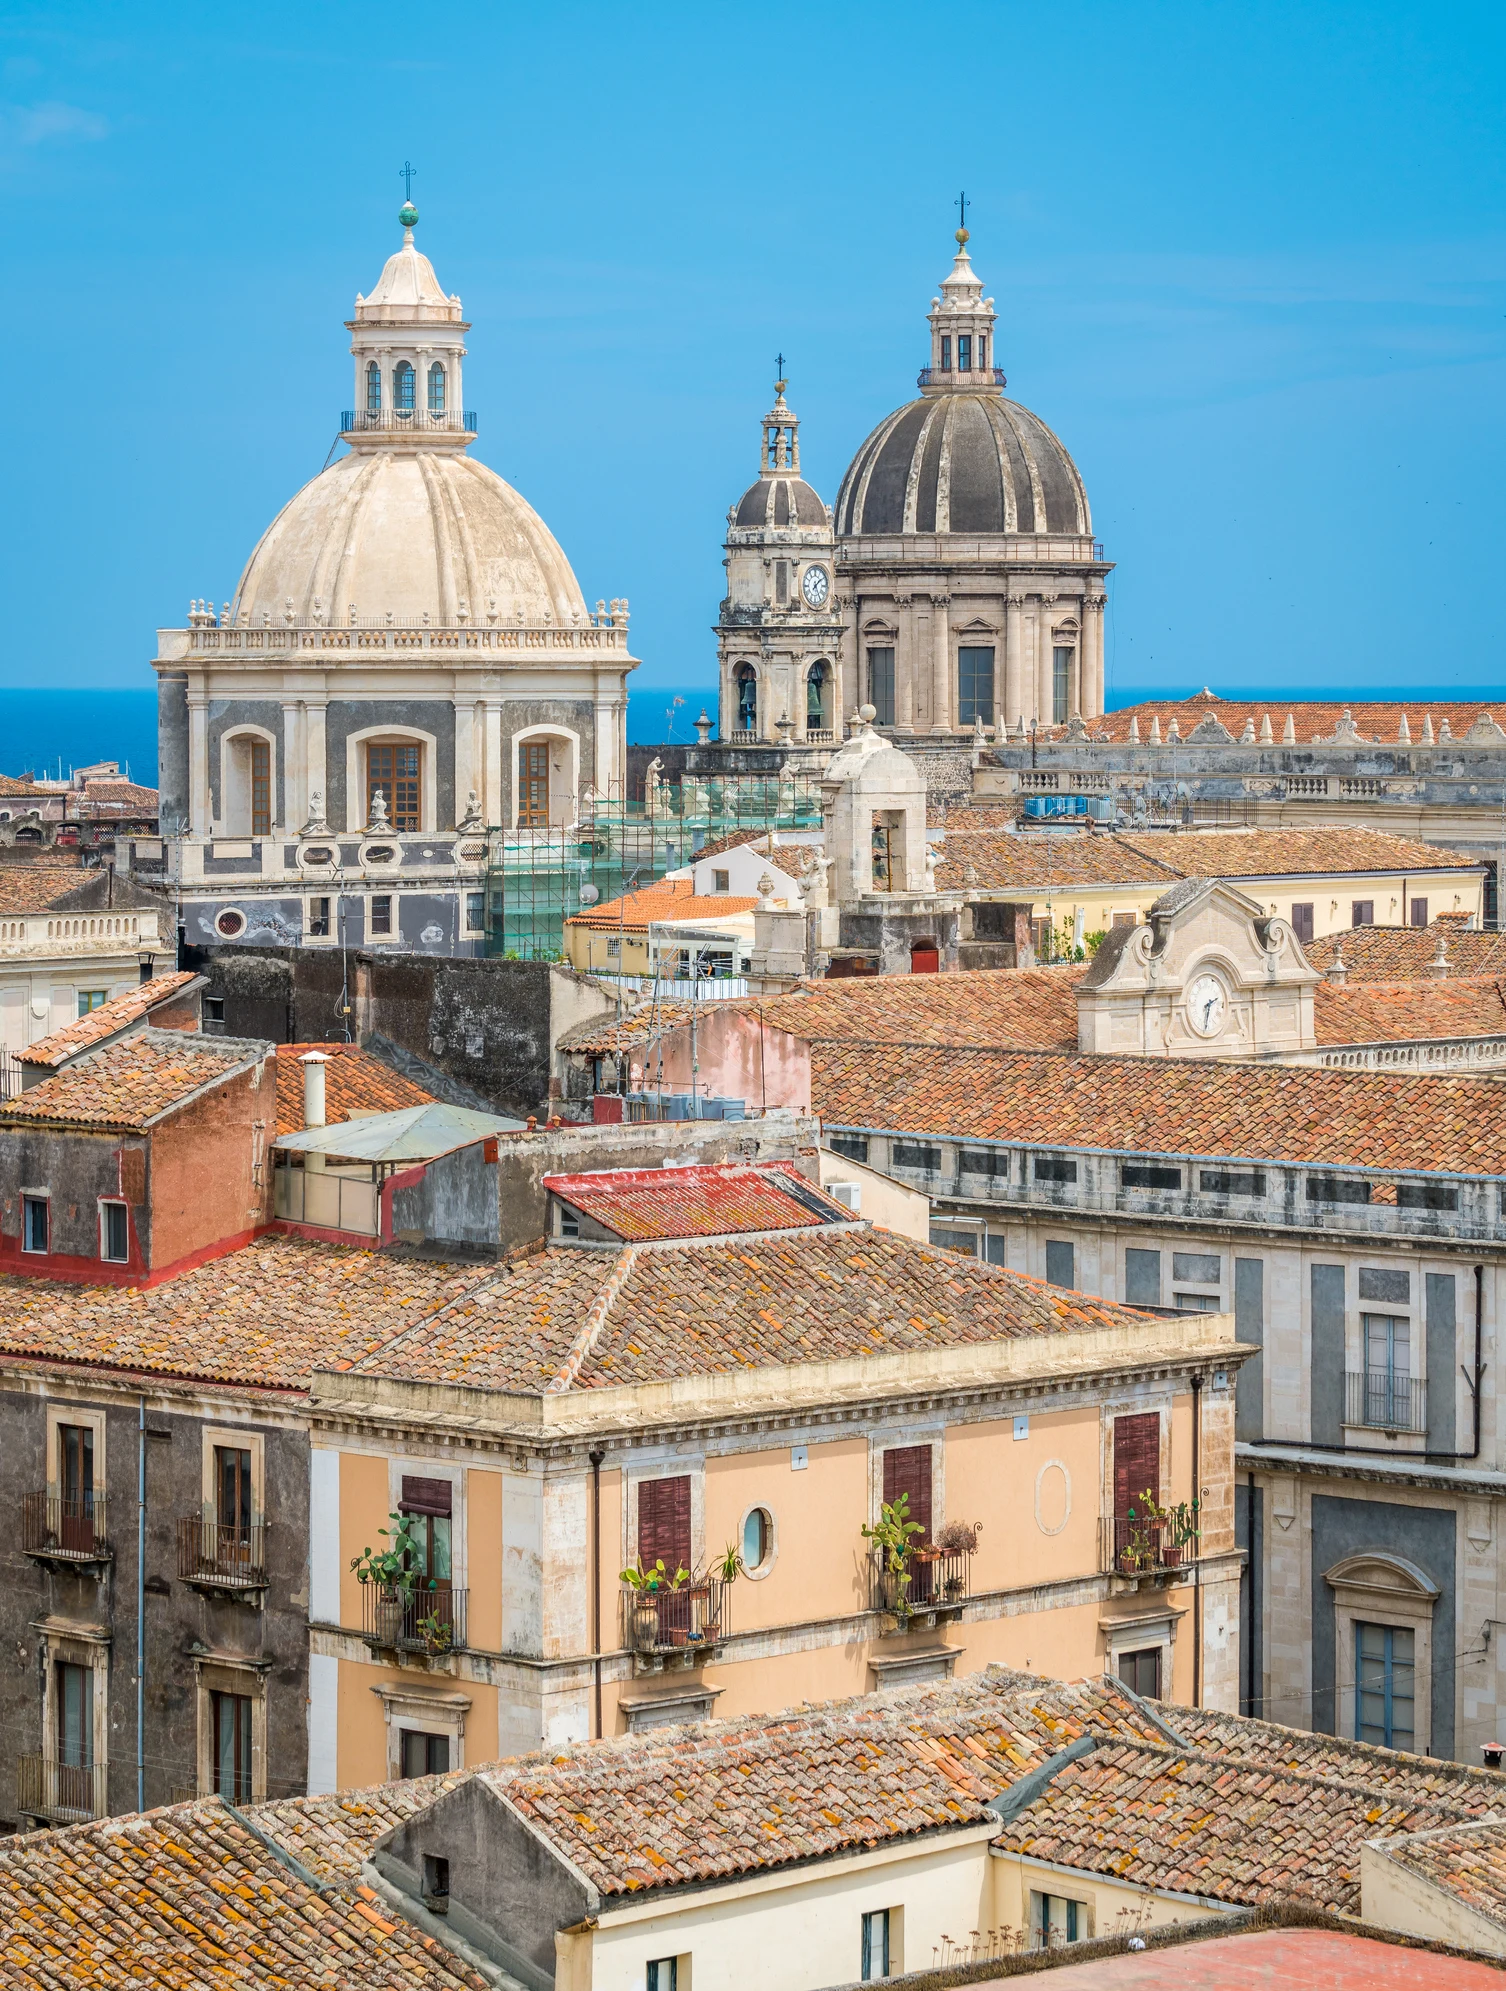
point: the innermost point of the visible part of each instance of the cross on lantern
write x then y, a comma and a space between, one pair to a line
961, 204
405, 174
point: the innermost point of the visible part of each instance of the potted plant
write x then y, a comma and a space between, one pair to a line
891, 1536
396, 1571
648, 1587
438, 1636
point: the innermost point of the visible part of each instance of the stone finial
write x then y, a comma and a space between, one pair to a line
854, 722
1266, 735
1404, 732
491, 608
1438, 966
318, 611
1445, 730
379, 823
1289, 732
1155, 729
1247, 737
765, 889
969, 875
352, 615
1173, 731
1427, 729
287, 610
225, 615
703, 728
1134, 732
1337, 971
463, 609
388, 614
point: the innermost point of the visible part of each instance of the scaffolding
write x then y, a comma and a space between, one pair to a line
537, 877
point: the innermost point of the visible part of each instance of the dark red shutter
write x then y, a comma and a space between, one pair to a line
664, 1523
1137, 1460
425, 1496
908, 1470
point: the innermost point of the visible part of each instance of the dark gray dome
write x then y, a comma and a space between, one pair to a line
962, 463
780, 501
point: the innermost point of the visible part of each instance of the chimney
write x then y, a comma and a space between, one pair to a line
1337, 969
313, 1063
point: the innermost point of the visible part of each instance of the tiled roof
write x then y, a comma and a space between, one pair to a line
733, 840
1193, 1824
694, 1805
666, 899
187, 1896
334, 1833
1036, 860
267, 1315
129, 792
1467, 1861
131, 1083
715, 1199
33, 885
355, 1083
1389, 1012
111, 1016
1354, 1119
1398, 953
603, 1034
1025, 1006
572, 1319
1312, 719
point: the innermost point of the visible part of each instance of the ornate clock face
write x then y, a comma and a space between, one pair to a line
815, 586
1207, 1005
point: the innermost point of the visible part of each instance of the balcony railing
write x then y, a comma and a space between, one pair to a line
1132, 1546
62, 1793
937, 1580
1385, 1402
961, 376
60, 1528
401, 1620
222, 1558
690, 1619
397, 421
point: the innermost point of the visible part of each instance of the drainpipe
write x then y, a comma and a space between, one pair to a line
1253, 1552
141, 1604
596, 1459
1197, 1594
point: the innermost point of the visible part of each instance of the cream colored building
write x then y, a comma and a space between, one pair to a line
406, 661
69, 941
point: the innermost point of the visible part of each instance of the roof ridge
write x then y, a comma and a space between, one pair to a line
1247, 1765
591, 1327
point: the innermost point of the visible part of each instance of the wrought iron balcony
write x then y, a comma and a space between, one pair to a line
1385, 1402
57, 1528
214, 1558
61, 1793
1132, 1545
407, 421
933, 1581
397, 1619
688, 1621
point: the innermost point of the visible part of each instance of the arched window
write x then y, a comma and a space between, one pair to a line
436, 389
402, 388
818, 699
747, 700
373, 389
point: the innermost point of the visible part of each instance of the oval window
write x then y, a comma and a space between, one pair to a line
758, 1538
230, 924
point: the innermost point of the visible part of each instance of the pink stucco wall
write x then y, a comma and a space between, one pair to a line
739, 1057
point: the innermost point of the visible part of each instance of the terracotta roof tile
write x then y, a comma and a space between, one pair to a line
1402, 953
34, 885
1355, 1119
355, 1083
666, 899
715, 1199
1313, 719
130, 1083
111, 1016
332, 1834
1466, 1861
161, 1900
1390, 1012
1025, 1006
604, 1034
267, 1315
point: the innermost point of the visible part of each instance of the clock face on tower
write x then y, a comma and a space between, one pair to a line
1207, 1005
815, 586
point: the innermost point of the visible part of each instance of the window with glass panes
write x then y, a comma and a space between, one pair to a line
975, 684
1061, 684
373, 388
261, 788
436, 389
393, 768
230, 1744
881, 684
1385, 1685
533, 790
402, 387
423, 1754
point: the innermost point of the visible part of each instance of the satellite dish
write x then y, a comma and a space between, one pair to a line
589, 895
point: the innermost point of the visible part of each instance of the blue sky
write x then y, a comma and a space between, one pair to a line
1248, 261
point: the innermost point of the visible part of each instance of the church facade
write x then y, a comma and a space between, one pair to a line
955, 586
407, 661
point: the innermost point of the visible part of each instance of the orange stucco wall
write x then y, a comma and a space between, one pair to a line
361, 1738
202, 1160
819, 1553
483, 1560
363, 1510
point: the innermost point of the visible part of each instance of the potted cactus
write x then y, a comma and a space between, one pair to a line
398, 1575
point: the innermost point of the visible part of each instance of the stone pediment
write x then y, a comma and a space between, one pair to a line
1209, 729
1485, 732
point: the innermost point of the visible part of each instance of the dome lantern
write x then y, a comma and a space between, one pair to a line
962, 332
408, 342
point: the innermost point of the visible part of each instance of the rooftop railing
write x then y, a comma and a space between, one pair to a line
407, 421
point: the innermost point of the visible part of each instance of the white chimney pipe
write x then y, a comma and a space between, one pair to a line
313, 1063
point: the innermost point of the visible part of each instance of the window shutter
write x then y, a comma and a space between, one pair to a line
907, 1469
426, 1496
1137, 1460
664, 1522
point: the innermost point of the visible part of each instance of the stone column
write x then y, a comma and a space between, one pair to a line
465, 750
1014, 696
1040, 625
943, 704
904, 665
316, 769
1095, 606
496, 787
199, 820
294, 785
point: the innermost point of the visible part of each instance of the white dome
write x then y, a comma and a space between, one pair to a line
415, 532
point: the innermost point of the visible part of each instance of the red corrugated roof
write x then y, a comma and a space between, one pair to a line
719, 1199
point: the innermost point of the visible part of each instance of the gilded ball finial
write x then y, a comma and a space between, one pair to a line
962, 238
407, 214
